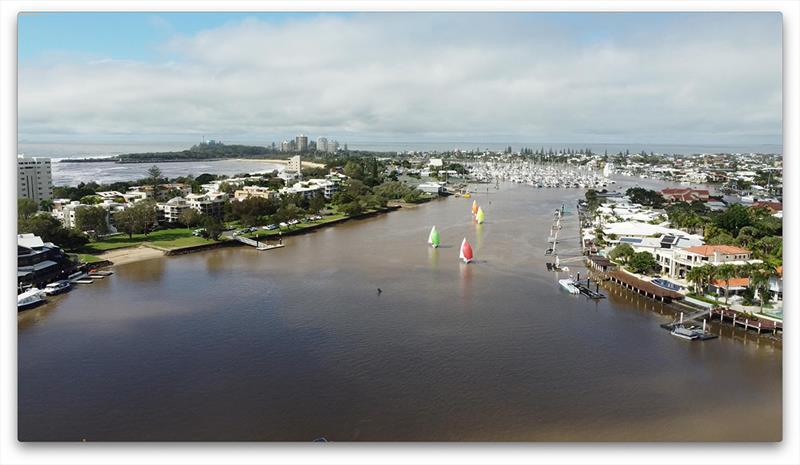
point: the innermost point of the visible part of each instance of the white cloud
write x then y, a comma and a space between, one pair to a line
713, 79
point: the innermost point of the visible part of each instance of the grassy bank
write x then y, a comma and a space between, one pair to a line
166, 239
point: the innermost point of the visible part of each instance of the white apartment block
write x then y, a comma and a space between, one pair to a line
254, 191
210, 203
34, 178
295, 164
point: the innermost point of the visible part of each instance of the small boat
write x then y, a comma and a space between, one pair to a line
475, 207
30, 298
569, 285
479, 217
466, 251
57, 287
467, 195
685, 333
433, 238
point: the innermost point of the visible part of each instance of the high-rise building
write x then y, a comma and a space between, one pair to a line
333, 146
322, 144
301, 143
286, 146
34, 178
294, 164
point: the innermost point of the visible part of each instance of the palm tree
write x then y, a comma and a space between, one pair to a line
726, 272
697, 276
759, 282
709, 272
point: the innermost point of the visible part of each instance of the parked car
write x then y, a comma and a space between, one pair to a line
293, 221
198, 232
271, 227
282, 224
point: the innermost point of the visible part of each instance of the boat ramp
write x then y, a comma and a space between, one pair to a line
260, 246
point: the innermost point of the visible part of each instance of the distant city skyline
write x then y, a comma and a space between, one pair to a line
614, 78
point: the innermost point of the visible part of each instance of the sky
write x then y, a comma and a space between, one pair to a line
662, 78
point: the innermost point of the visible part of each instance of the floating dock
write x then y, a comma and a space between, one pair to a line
588, 292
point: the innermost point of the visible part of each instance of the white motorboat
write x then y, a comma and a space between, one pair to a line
30, 298
57, 287
569, 285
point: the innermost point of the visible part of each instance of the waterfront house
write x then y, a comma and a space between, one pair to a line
432, 187
684, 194
39, 262
681, 261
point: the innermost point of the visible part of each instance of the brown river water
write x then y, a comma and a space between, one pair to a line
296, 343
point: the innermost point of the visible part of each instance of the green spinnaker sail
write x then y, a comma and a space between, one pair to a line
433, 239
480, 217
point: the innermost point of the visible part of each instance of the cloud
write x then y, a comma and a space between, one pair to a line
684, 78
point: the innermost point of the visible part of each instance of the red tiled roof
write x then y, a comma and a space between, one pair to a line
774, 206
708, 250
733, 282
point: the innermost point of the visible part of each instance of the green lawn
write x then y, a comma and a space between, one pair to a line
303, 225
88, 258
165, 238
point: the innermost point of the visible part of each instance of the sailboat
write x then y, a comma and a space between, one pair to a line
474, 207
433, 238
466, 251
479, 217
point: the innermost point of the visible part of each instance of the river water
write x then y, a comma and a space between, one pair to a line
296, 343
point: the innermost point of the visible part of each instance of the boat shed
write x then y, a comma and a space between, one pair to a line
600, 263
644, 288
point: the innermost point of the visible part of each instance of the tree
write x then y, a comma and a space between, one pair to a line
141, 218
622, 251
317, 203
94, 219
26, 208
697, 277
190, 217
213, 227
642, 263
51, 230
91, 199
352, 208
733, 219
126, 221
154, 175
645, 197
154, 179
726, 272
45, 205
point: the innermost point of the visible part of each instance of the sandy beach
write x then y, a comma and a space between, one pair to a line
130, 254
304, 164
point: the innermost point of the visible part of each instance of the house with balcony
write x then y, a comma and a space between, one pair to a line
682, 261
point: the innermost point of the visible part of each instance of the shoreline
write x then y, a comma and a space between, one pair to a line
279, 161
131, 254
145, 251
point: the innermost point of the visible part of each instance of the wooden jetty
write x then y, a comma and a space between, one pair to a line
642, 287
748, 323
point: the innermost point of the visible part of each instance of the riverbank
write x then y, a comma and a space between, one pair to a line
123, 250
130, 254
